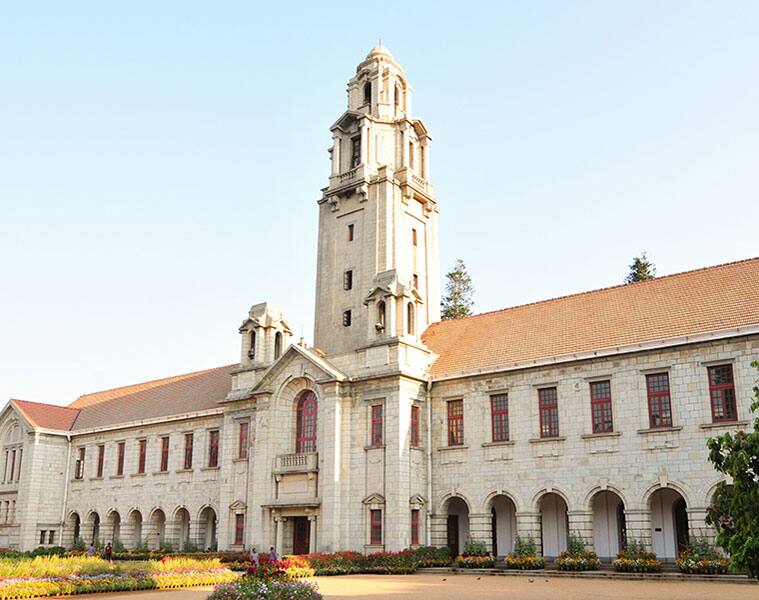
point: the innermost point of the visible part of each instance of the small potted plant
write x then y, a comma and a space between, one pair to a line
525, 555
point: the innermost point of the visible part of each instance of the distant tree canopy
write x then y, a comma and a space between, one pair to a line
458, 301
641, 269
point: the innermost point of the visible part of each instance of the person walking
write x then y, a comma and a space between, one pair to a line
272, 554
91, 550
253, 556
108, 550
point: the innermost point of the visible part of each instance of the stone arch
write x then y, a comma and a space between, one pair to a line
486, 503
156, 528
181, 526
553, 508
589, 497
207, 527
503, 522
442, 503
680, 488
669, 521
607, 506
712, 490
135, 524
536, 498
113, 521
93, 526
72, 528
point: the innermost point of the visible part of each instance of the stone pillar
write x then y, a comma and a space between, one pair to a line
312, 546
280, 525
126, 531
638, 524
697, 526
528, 527
438, 525
197, 534
581, 524
481, 529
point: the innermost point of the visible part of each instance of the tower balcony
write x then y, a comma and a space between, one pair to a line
351, 177
411, 182
301, 462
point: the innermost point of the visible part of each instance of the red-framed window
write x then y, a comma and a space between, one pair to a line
455, 422
79, 469
239, 529
164, 454
305, 423
414, 426
120, 452
101, 459
242, 441
499, 416
413, 236
659, 406
722, 393
143, 450
351, 232
414, 526
377, 414
548, 403
375, 533
188, 443
213, 448
600, 406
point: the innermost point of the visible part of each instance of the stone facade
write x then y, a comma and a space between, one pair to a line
267, 472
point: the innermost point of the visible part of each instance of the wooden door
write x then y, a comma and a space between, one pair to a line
301, 535
453, 535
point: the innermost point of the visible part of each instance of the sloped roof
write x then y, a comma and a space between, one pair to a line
46, 416
695, 302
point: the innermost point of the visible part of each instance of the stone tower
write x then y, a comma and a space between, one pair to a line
377, 277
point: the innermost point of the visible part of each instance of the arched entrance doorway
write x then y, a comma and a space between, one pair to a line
207, 528
609, 529
157, 529
135, 526
457, 525
503, 516
114, 527
182, 520
93, 525
554, 524
669, 523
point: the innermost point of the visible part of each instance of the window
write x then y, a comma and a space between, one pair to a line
18, 468
43, 535
120, 451
549, 412
348, 280
600, 406
414, 526
355, 151
239, 529
51, 536
79, 469
213, 448
376, 425
499, 415
381, 310
414, 426
411, 155
375, 535
346, 318
410, 314
101, 459
13, 465
722, 393
415, 279
252, 351
305, 423
368, 92
413, 236
143, 448
242, 448
351, 231
397, 99
188, 439
455, 422
277, 345
164, 454
659, 408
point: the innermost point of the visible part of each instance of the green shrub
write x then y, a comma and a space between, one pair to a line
524, 562
525, 547
701, 557
634, 558
475, 548
432, 556
475, 562
578, 561
576, 544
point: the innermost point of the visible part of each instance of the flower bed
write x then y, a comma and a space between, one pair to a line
475, 562
271, 589
524, 562
432, 556
578, 561
631, 564
347, 563
710, 566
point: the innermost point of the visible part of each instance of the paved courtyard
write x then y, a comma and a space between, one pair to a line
461, 587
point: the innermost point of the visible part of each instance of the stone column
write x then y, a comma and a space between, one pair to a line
481, 529
280, 525
697, 526
312, 534
196, 533
528, 526
438, 525
581, 523
638, 524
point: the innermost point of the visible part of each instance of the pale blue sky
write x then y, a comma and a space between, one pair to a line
160, 162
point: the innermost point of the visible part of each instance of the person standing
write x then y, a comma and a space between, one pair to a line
108, 552
91, 550
272, 554
253, 556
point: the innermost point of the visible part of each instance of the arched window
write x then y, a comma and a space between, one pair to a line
381, 311
252, 351
305, 423
368, 92
410, 315
277, 345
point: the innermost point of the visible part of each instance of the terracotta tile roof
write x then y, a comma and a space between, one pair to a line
47, 416
701, 301
188, 393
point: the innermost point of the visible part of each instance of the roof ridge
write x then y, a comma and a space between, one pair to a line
155, 381
603, 289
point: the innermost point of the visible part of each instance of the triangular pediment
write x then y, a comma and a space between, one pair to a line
294, 353
237, 505
374, 499
345, 121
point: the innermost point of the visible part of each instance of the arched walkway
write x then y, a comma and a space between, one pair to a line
73, 529
207, 528
93, 528
182, 528
135, 525
114, 527
669, 523
503, 515
157, 532
554, 524
609, 529
457, 524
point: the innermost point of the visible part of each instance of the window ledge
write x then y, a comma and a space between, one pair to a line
138, 475
659, 430
116, 477
603, 434
161, 472
184, 470
558, 438
209, 468
444, 448
417, 448
380, 447
495, 444
100, 478
726, 424
238, 459
374, 547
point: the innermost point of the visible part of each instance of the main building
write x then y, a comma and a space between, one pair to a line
586, 414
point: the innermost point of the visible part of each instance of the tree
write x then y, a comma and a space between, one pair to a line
641, 269
458, 301
735, 512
